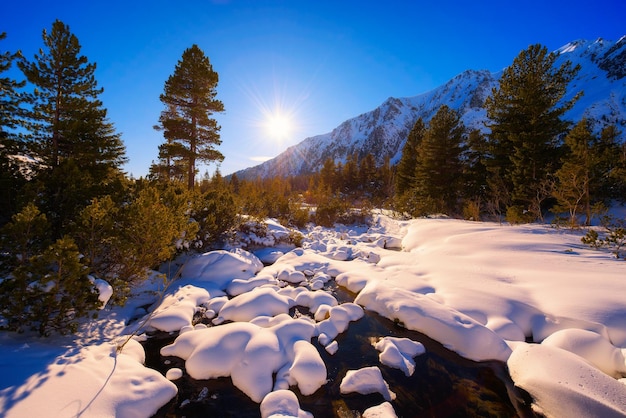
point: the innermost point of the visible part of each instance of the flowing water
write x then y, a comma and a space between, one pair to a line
443, 384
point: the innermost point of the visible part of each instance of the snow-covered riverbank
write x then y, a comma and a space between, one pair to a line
481, 289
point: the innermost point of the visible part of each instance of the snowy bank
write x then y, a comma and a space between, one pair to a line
93, 381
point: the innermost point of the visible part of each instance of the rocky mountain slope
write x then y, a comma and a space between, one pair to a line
383, 131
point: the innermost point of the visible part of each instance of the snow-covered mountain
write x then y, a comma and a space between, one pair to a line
383, 131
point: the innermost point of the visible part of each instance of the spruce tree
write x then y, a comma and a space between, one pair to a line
405, 176
50, 292
368, 175
526, 113
438, 172
12, 174
350, 173
475, 176
46, 288
613, 166
328, 175
80, 150
386, 180
11, 101
68, 118
189, 95
23, 237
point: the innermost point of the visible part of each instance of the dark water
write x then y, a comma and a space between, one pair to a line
443, 384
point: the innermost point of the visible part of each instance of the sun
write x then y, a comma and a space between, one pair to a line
278, 126
276, 112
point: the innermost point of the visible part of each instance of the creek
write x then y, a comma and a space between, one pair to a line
444, 384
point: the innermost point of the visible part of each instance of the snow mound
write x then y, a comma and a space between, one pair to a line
245, 352
308, 370
365, 381
592, 347
399, 352
313, 300
282, 403
174, 374
455, 330
239, 286
354, 281
339, 317
96, 381
563, 384
251, 355
384, 410
105, 291
176, 311
218, 268
258, 302
269, 255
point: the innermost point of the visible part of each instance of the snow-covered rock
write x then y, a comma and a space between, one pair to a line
177, 310
308, 370
282, 404
251, 355
384, 410
399, 352
257, 302
219, 268
365, 381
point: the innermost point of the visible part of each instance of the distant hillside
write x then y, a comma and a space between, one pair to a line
383, 131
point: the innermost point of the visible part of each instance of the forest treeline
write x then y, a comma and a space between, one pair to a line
69, 215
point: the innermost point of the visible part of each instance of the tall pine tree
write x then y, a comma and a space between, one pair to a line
405, 176
11, 144
69, 121
190, 132
69, 129
438, 172
10, 98
526, 113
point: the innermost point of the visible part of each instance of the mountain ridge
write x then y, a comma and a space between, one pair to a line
383, 130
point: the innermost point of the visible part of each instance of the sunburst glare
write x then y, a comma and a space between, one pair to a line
277, 116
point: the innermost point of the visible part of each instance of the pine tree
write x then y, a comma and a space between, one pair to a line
438, 172
234, 183
386, 180
12, 175
476, 173
368, 175
613, 167
50, 292
23, 237
214, 209
584, 177
350, 173
328, 175
405, 176
526, 125
80, 150
189, 95
69, 121
96, 230
11, 100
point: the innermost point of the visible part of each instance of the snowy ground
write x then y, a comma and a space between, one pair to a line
481, 289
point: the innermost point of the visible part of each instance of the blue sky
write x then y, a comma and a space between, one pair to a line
318, 62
